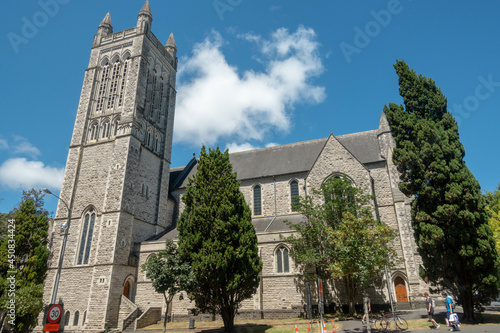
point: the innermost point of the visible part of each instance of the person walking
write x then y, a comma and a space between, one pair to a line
369, 310
449, 310
430, 309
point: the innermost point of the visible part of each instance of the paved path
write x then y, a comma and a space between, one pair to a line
355, 326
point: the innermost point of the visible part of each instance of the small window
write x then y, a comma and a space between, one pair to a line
148, 140
157, 144
66, 318
84, 317
294, 193
282, 261
76, 318
94, 132
257, 202
105, 130
115, 127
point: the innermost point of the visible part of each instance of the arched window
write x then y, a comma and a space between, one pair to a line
102, 89
75, 318
66, 318
115, 126
124, 79
148, 138
94, 131
84, 317
282, 261
294, 193
157, 143
257, 202
105, 130
113, 89
86, 239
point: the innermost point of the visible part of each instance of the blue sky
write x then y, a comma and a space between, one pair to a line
251, 74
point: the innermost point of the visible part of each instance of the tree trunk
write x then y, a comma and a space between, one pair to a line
168, 301
3, 316
227, 314
467, 301
350, 294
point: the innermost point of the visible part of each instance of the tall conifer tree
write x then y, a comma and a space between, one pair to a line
448, 211
217, 238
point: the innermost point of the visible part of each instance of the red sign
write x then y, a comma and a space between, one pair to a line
53, 319
320, 290
54, 314
51, 327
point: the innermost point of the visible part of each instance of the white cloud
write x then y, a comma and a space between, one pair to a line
19, 173
216, 102
20, 146
235, 147
4, 144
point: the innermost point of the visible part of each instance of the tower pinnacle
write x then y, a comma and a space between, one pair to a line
146, 10
105, 27
170, 46
144, 18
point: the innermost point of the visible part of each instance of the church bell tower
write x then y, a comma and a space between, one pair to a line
117, 172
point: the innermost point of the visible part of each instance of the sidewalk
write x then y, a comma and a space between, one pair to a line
355, 326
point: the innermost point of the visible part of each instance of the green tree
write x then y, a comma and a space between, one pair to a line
340, 238
217, 238
168, 273
448, 211
27, 238
493, 202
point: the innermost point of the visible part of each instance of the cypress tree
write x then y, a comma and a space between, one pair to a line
448, 211
217, 238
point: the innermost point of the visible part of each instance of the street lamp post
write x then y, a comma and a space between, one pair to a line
65, 238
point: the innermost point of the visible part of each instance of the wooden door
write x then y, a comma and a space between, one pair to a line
400, 287
126, 289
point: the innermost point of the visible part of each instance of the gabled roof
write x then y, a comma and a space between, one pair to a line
287, 159
261, 225
363, 145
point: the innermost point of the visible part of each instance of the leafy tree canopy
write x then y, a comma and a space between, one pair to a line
23, 258
493, 201
340, 238
217, 238
168, 273
448, 211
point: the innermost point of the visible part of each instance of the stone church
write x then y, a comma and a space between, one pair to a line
125, 198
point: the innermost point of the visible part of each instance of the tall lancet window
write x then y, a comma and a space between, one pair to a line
282, 261
103, 83
86, 239
105, 129
294, 193
124, 79
115, 78
257, 203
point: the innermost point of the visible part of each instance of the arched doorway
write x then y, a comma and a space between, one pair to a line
126, 289
400, 288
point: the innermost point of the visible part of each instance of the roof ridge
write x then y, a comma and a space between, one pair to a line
283, 145
349, 134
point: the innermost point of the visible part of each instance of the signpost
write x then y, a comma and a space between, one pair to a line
321, 305
53, 318
309, 311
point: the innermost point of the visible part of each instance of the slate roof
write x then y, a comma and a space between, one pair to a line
363, 145
287, 159
261, 225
